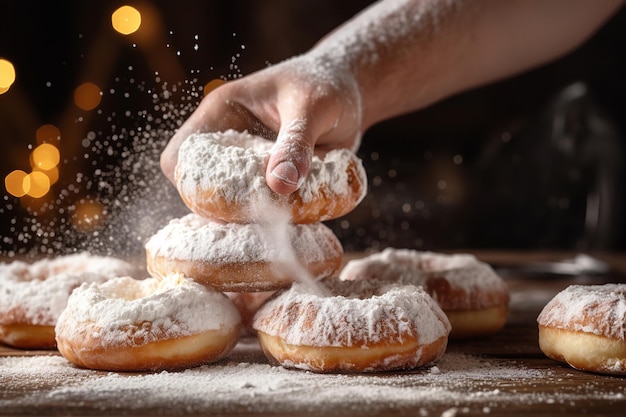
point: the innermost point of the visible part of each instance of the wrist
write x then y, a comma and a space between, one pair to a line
397, 52
331, 93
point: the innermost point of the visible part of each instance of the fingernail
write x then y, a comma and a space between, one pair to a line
287, 172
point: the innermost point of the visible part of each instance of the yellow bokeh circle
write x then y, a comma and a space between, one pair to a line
126, 20
7, 74
36, 184
52, 174
14, 183
45, 157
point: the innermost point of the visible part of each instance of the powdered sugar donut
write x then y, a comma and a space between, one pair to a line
222, 176
242, 257
32, 296
585, 326
472, 295
357, 328
152, 324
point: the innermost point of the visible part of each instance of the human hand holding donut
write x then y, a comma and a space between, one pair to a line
299, 106
393, 58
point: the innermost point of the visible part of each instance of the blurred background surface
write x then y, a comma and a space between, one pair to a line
532, 162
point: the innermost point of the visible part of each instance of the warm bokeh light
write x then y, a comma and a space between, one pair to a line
7, 75
44, 160
87, 96
126, 20
88, 216
47, 133
14, 183
45, 157
52, 174
36, 184
212, 85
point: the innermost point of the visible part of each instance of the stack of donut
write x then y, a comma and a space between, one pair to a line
277, 263
179, 317
241, 236
243, 239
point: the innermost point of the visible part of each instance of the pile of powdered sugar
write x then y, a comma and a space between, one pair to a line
459, 383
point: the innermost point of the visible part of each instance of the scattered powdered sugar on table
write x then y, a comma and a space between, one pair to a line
247, 384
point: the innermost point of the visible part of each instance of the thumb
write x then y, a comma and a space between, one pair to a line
290, 159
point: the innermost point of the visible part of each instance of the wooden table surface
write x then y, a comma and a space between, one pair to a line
504, 374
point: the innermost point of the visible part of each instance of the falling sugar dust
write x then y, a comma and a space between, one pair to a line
114, 196
111, 195
275, 221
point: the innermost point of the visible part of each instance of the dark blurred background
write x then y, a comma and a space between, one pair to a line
532, 162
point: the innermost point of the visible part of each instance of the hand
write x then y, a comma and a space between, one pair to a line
363, 73
298, 103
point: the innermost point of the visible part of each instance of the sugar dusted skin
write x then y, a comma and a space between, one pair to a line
222, 176
472, 295
357, 327
32, 296
585, 327
151, 324
242, 257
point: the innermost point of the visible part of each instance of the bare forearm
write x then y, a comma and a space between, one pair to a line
406, 54
395, 57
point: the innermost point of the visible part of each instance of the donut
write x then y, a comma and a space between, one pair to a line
585, 327
152, 324
242, 257
352, 327
222, 176
472, 295
33, 295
